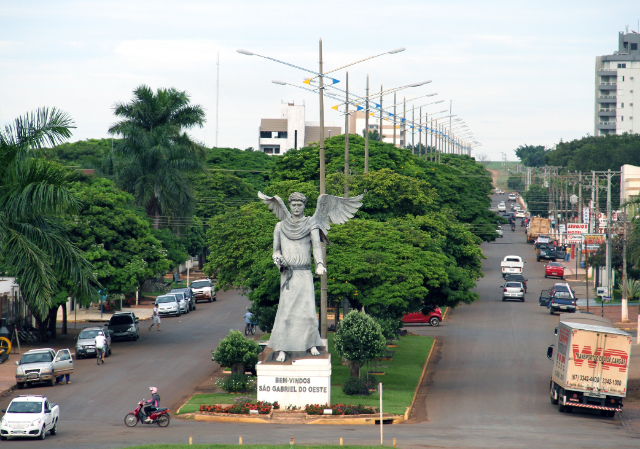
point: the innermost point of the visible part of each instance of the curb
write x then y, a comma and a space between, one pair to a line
407, 413
446, 312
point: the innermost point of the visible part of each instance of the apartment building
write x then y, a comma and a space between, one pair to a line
617, 88
357, 125
291, 131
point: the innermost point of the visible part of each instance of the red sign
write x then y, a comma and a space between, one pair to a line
577, 228
612, 358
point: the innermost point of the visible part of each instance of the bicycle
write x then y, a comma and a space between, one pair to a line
250, 329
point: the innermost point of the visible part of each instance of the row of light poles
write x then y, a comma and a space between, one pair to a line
320, 76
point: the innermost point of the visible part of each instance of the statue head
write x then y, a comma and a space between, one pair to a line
297, 196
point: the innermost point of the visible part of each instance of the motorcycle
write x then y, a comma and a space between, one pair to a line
513, 227
158, 416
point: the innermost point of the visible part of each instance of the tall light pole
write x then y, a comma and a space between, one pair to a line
346, 142
323, 278
366, 130
380, 128
394, 119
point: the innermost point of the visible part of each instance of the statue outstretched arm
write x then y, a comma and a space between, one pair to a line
321, 265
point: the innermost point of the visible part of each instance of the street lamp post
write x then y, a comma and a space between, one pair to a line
366, 130
323, 278
394, 119
381, 118
346, 141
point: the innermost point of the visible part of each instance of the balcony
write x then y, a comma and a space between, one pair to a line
607, 72
606, 125
607, 112
607, 86
610, 97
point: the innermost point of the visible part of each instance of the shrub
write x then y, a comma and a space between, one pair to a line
389, 327
355, 386
237, 352
237, 383
358, 339
340, 409
242, 408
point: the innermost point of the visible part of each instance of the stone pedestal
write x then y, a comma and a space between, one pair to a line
300, 380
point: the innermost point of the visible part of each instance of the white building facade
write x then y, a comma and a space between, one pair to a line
617, 88
291, 131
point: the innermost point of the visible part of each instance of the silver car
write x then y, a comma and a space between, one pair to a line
183, 301
86, 344
513, 290
168, 305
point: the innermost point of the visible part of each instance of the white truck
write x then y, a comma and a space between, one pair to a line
43, 365
591, 362
29, 416
203, 290
512, 265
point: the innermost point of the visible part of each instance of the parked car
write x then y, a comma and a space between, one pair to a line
43, 365
545, 298
86, 344
168, 305
124, 325
554, 269
203, 289
29, 416
502, 206
189, 296
546, 251
513, 290
517, 278
182, 301
500, 232
562, 287
562, 302
433, 317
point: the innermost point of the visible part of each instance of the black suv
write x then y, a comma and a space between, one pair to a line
547, 252
124, 325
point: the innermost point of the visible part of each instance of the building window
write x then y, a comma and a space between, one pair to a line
621, 105
622, 66
295, 139
634, 46
277, 151
282, 134
625, 45
265, 134
268, 150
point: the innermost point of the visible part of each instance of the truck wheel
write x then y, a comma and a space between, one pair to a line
43, 434
553, 401
54, 429
611, 413
20, 385
561, 408
3, 438
51, 382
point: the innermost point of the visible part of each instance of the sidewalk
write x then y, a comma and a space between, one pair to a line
83, 315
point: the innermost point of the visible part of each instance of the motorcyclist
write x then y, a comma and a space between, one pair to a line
153, 404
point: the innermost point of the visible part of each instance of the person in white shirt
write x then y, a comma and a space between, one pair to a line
101, 347
155, 319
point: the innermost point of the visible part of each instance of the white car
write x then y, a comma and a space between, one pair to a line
203, 289
168, 305
512, 197
502, 207
500, 232
520, 214
29, 416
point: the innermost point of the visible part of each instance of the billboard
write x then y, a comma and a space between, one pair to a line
593, 241
577, 228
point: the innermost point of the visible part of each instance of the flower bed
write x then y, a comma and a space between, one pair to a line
242, 408
340, 409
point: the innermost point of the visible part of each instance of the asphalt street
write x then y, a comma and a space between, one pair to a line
489, 386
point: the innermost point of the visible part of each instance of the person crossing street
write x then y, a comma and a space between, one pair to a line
155, 319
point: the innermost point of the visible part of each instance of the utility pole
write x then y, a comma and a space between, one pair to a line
394, 119
413, 131
366, 130
420, 138
346, 141
380, 130
217, 96
608, 269
323, 278
625, 304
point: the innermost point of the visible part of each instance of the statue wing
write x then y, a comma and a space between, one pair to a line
276, 205
335, 209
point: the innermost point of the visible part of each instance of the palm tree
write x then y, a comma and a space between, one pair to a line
34, 246
155, 153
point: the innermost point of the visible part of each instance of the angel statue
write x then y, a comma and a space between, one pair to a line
296, 323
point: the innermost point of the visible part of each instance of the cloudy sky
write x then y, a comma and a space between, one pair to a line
517, 72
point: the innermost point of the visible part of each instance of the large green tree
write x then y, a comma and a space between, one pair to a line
116, 237
531, 155
34, 196
537, 199
155, 153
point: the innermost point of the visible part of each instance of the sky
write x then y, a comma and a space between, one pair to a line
516, 72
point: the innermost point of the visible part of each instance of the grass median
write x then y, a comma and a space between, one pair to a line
401, 376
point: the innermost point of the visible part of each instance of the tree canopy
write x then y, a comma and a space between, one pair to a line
531, 155
34, 196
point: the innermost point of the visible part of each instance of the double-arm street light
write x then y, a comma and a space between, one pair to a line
320, 75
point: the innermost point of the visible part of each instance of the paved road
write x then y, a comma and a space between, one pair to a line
489, 388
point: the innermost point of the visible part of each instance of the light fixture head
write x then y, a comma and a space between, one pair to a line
282, 83
396, 50
419, 84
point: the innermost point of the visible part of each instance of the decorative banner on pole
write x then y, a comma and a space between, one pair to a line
585, 214
577, 228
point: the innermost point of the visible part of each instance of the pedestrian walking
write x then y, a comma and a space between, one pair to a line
155, 319
101, 347
64, 356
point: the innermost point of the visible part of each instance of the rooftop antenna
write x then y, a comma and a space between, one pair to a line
217, 96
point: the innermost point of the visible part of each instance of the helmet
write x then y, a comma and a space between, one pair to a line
154, 390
